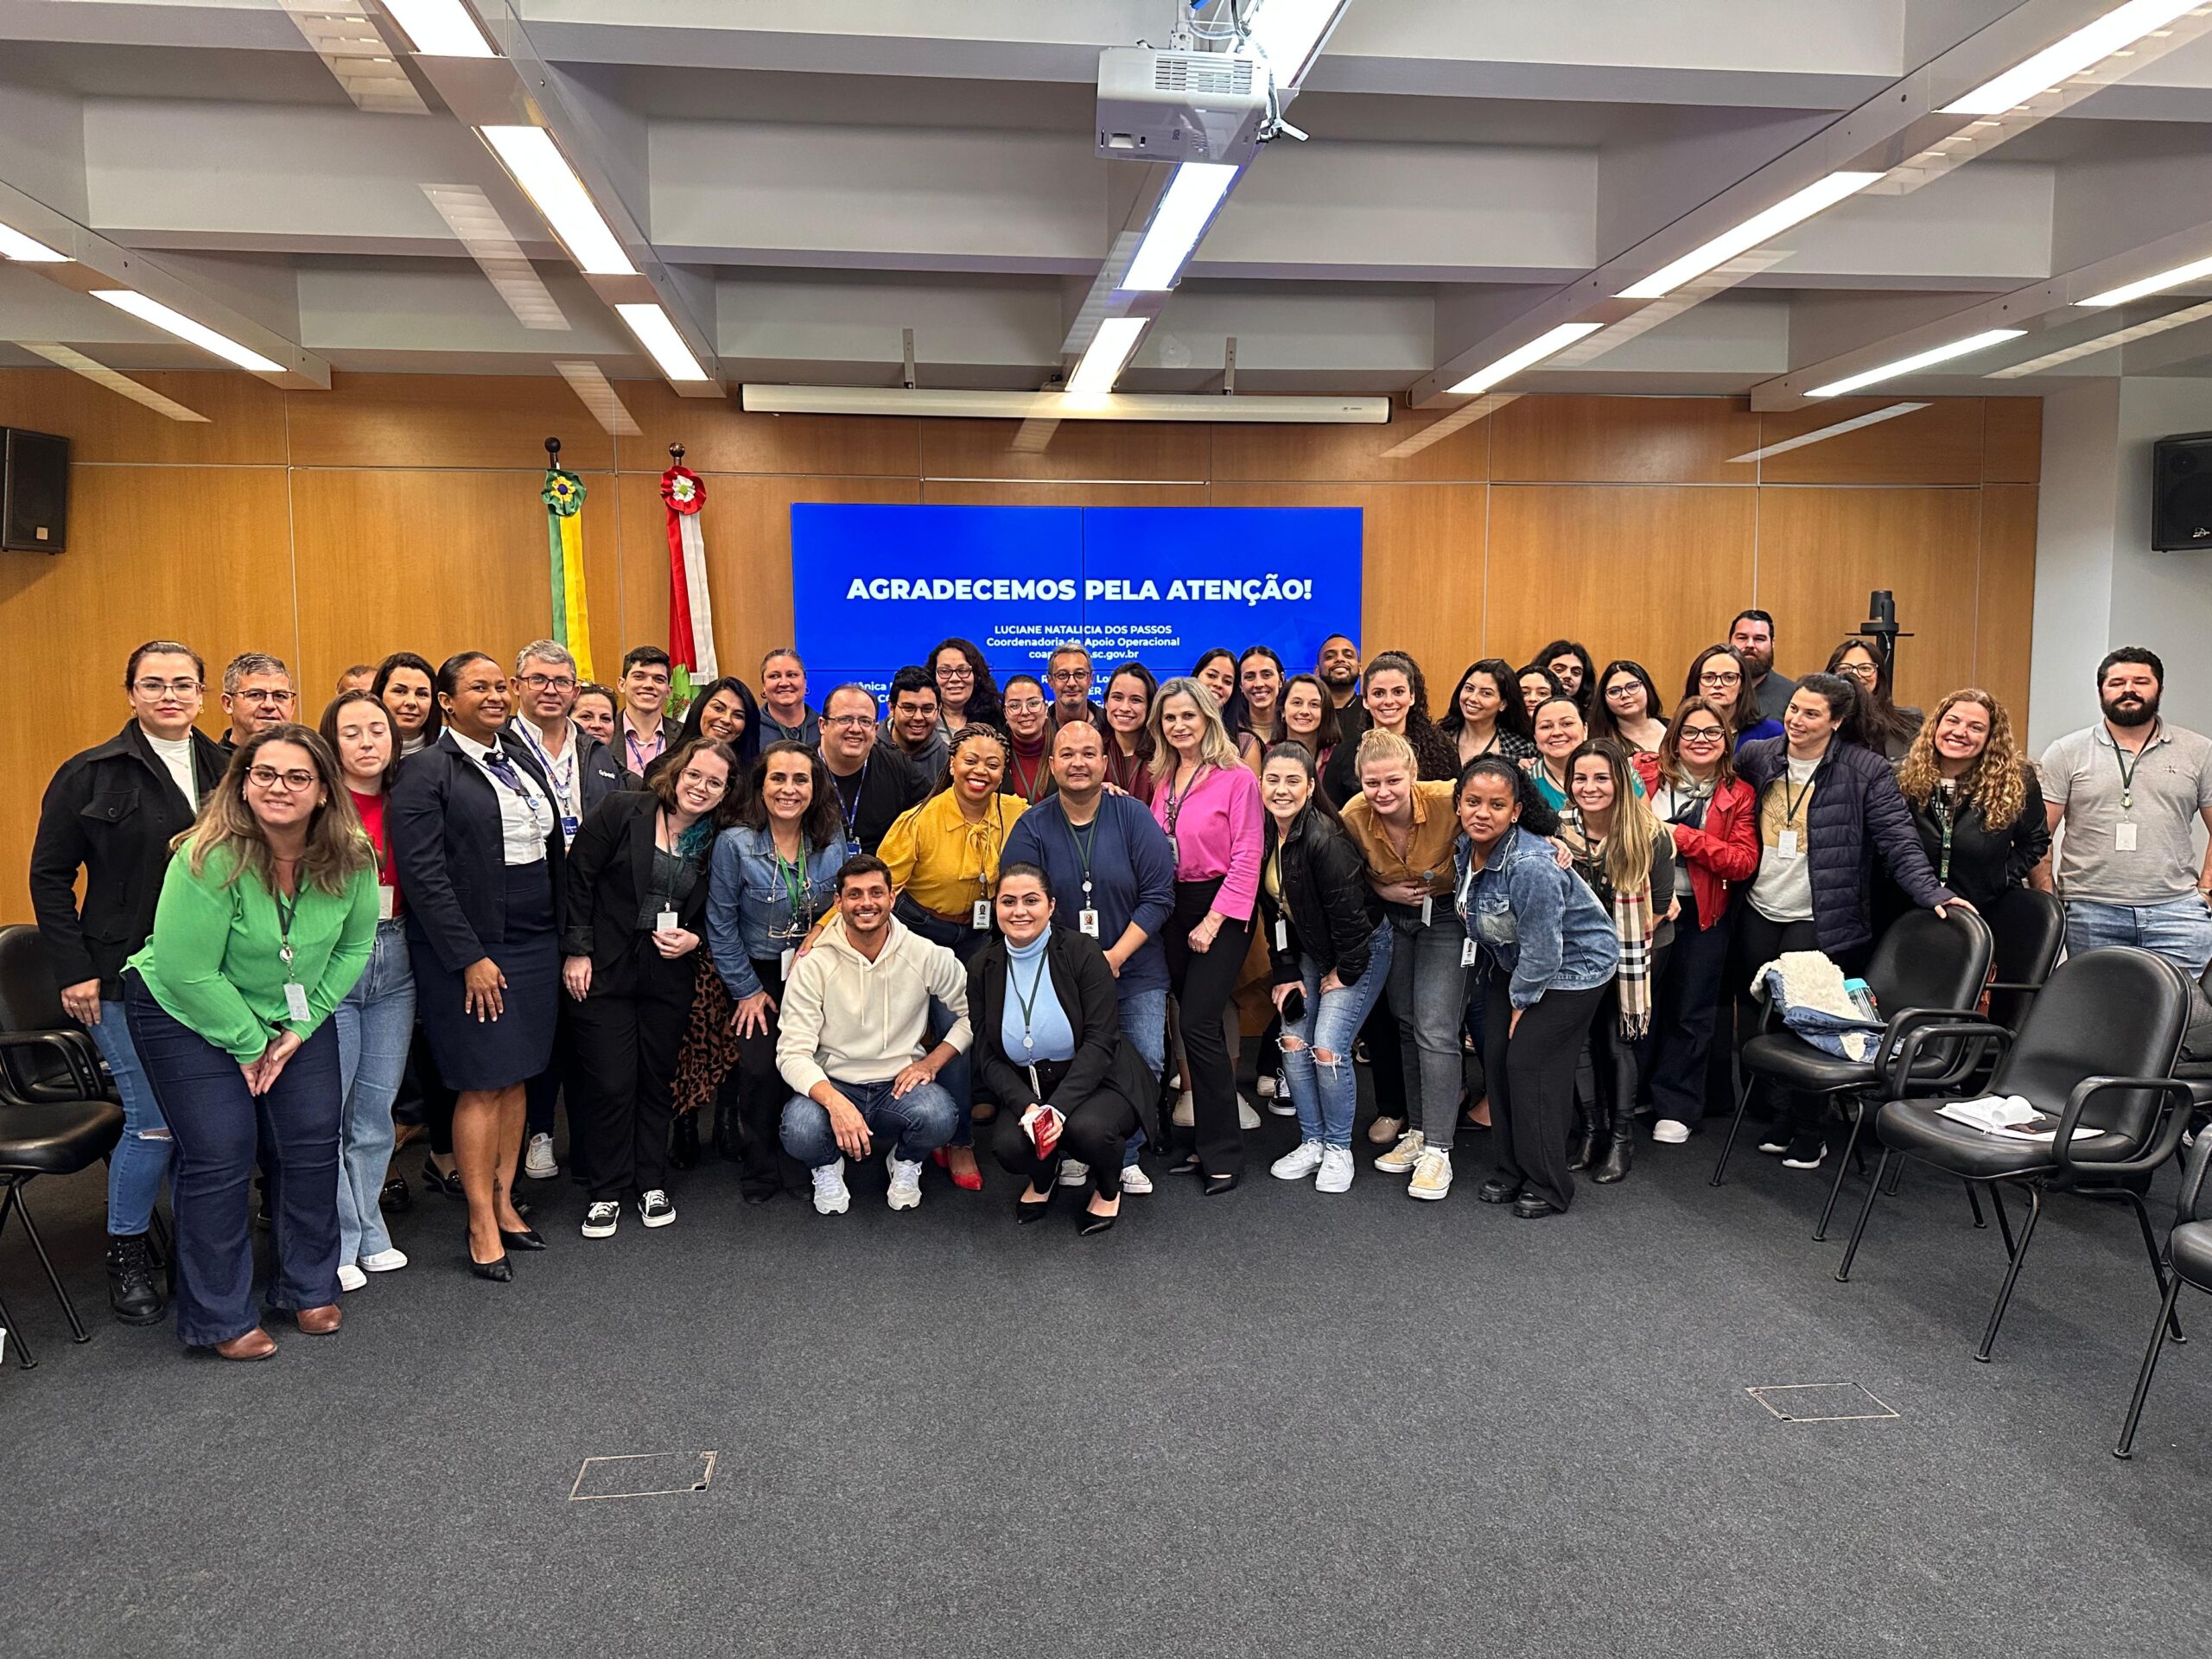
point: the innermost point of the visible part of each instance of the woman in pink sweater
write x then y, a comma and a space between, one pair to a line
1209, 804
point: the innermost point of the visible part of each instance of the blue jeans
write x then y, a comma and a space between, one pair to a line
1328, 1095
922, 1119
375, 1024
220, 1130
2180, 929
1428, 993
135, 1168
1144, 1023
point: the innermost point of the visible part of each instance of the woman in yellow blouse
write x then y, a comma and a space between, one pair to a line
944, 856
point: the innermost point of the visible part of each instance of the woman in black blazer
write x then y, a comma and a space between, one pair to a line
637, 916
1048, 1050
475, 831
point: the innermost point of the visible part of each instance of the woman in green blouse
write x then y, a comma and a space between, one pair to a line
267, 916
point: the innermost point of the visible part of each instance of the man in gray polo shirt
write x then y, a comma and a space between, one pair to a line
2130, 791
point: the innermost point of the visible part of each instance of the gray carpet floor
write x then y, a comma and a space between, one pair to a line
1272, 1423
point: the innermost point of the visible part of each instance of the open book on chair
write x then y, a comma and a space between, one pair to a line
2005, 1114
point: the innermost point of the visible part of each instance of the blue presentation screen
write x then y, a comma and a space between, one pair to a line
875, 587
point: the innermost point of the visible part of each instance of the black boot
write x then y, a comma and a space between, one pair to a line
1583, 1151
684, 1141
1614, 1165
134, 1290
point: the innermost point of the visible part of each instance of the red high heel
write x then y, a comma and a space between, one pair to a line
968, 1180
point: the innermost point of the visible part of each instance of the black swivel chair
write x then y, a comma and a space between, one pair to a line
2096, 1052
1924, 968
2189, 1258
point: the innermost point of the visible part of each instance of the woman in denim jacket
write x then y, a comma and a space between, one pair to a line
1543, 951
772, 874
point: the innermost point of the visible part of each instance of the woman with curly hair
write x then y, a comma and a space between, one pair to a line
966, 693
1974, 799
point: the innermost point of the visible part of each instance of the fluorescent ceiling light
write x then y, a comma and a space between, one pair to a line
2105, 342
1557, 340
184, 327
1186, 208
1108, 354
1790, 210
658, 336
2157, 285
441, 28
1822, 433
1929, 359
2115, 31
1052, 407
1289, 34
13, 244
529, 154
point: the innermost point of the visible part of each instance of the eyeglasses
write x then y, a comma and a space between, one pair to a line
1720, 679
849, 720
1866, 671
956, 673
165, 688
1026, 706
276, 698
1630, 689
553, 681
1701, 734
1068, 676
269, 778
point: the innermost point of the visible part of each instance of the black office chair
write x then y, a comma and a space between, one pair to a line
2188, 1259
50, 1138
1925, 967
2028, 929
2096, 1052
56, 1067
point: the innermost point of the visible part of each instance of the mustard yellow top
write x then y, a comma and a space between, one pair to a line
943, 862
1428, 861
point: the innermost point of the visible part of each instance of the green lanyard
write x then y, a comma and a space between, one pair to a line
2126, 772
285, 912
793, 876
1940, 804
1083, 846
1028, 1001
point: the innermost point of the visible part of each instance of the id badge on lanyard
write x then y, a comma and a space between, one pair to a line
1086, 921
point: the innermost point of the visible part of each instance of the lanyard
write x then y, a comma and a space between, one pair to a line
1940, 805
2127, 772
562, 772
502, 771
795, 890
287, 907
639, 753
1028, 790
852, 812
1084, 844
1792, 804
1175, 802
995, 843
1028, 1001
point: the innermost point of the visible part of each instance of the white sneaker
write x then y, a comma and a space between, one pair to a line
1246, 1117
654, 1208
1384, 1130
1668, 1132
1776, 1142
1275, 1090
538, 1163
384, 1262
1186, 1114
1133, 1180
830, 1198
1432, 1176
1298, 1162
602, 1219
1403, 1156
1074, 1172
1269, 1088
351, 1277
1336, 1170
906, 1182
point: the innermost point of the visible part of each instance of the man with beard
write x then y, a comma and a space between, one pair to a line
1752, 635
912, 732
2128, 792
1339, 670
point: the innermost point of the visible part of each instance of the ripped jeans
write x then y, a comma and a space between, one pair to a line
1326, 1094
141, 1158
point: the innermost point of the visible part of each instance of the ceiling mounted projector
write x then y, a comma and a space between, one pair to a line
1180, 106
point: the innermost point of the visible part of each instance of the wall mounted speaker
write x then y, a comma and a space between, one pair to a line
2181, 493
33, 491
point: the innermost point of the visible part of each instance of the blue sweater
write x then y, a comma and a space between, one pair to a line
1538, 923
1132, 876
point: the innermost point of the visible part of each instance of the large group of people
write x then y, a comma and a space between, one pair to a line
477, 889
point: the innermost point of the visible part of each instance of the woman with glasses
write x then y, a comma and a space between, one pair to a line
407, 685
477, 836
1717, 675
965, 690
1709, 813
1486, 716
772, 874
1889, 728
1127, 708
267, 916
1028, 730
1627, 708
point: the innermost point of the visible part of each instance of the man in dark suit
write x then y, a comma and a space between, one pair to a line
874, 784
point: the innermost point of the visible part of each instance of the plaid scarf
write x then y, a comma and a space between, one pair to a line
1632, 922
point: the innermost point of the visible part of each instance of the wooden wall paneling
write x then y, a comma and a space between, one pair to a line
1422, 587
445, 421
2012, 441
195, 554
958, 493
1591, 561
721, 438
1823, 551
1106, 452
436, 562
1623, 441
244, 424
1940, 444
1351, 454
2004, 608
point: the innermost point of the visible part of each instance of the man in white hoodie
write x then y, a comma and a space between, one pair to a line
853, 1041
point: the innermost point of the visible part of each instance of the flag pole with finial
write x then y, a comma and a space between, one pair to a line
564, 496
690, 612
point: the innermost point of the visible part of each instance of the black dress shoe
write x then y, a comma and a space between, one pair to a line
1494, 1191
1026, 1210
1529, 1206
497, 1271
1216, 1184
683, 1143
396, 1197
528, 1239
448, 1185
1097, 1223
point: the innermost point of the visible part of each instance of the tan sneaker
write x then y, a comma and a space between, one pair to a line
1432, 1176
1384, 1130
1403, 1156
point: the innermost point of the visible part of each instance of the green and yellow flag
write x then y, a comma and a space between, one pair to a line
564, 496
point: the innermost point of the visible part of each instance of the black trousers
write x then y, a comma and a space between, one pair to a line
1618, 1064
1094, 1134
1532, 1085
751, 1098
1759, 941
1204, 982
622, 1058
1683, 1013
